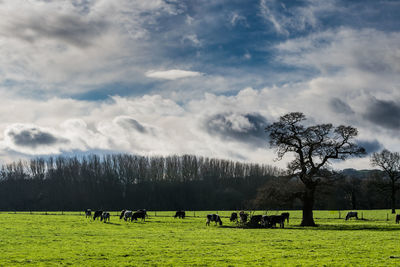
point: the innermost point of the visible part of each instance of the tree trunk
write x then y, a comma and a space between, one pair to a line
393, 198
308, 205
353, 200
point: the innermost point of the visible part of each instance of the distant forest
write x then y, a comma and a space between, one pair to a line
114, 182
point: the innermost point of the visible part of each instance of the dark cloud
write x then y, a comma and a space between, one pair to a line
70, 29
245, 128
129, 123
384, 113
370, 146
33, 137
340, 106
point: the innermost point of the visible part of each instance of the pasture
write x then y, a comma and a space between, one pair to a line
71, 239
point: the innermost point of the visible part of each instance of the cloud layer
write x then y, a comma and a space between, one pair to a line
175, 77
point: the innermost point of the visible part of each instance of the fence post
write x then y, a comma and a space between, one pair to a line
387, 217
155, 214
339, 215
362, 215
194, 214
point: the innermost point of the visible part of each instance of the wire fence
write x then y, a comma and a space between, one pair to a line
367, 215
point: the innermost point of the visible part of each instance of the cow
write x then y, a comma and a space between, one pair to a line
243, 216
397, 218
88, 213
122, 214
180, 214
234, 217
271, 221
139, 214
255, 220
97, 214
105, 216
286, 216
352, 214
127, 215
213, 218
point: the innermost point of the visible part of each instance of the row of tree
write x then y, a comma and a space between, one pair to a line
119, 181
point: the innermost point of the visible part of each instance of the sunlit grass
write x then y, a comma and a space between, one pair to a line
56, 239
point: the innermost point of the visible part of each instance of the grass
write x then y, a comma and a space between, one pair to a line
71, 239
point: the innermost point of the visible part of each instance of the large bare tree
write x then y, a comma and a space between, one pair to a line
313, 147
389, 162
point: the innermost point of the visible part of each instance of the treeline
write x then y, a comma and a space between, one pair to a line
344, 190
113, 182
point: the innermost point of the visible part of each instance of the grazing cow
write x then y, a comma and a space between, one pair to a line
88, 213
397, 218
128, 215
139, 214
97, 214
286, 216
271, 221
122, 214
234, 217
243, 216
105, 216
352, 214
255, 220
213, 218
180, 214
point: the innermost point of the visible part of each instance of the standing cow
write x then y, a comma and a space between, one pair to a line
88, 213
397, 218
97, 214
139, 214
213, 218
234, 217
105, 216
180, 214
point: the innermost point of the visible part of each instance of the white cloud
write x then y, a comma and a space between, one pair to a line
172, 74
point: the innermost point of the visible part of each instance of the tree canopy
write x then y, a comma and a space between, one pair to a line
313, 148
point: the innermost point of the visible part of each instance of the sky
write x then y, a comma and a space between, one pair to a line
199, 77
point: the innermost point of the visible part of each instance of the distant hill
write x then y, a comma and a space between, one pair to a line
359, 173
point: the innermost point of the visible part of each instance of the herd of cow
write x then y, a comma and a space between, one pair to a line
125, 214
267, 221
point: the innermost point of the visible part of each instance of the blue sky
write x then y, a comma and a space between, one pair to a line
172, 77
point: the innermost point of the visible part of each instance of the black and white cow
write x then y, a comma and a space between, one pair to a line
397, 218
213, 218
105, 216
122, 214
126, 214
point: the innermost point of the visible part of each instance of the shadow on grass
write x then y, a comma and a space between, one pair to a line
325, 227
117, 224
348, 227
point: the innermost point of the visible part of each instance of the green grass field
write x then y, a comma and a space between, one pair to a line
71, 239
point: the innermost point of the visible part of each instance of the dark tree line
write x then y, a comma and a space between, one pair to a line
121, 181
344, 190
